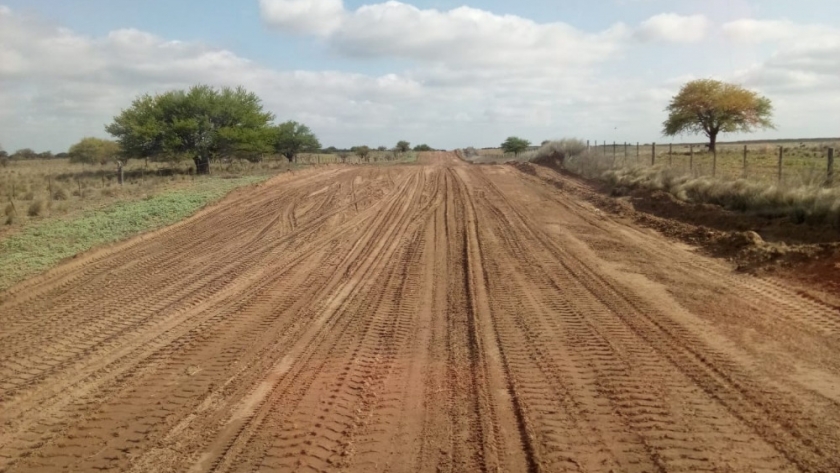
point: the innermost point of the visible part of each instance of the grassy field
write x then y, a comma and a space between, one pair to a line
803, 163
35, 190
41, 244
54, 209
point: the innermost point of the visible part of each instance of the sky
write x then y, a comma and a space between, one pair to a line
446, 73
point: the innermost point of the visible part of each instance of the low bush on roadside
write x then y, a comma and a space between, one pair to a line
36, 208
556, 152
809, 203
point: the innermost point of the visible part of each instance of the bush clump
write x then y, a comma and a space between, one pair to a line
35, 209
806, 203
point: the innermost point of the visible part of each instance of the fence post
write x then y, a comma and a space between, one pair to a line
781, 157
691, 159
653, 155
587, 145
614, 152
49, 180
745, 161
830, 174
605, 147
625, 151
714, 162
670, 154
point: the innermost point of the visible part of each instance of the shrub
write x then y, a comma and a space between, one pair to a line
59, 194
29, 196
10, 209
35, 208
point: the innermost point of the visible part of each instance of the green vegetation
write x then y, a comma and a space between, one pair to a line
94, 151
423, 147
292, 138
515, 145
363, 152
402, 147
709, 106
201, 123
43, 244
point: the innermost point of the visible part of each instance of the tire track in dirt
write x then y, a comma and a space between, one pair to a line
434, 317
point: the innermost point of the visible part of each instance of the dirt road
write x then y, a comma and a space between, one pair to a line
438, 317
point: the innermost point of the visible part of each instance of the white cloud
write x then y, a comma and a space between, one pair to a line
473, 77
303, 16
674, 28
806, 59
761, 31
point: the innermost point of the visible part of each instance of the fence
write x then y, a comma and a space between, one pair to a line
790, 163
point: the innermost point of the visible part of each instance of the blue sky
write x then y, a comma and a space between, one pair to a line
449, 73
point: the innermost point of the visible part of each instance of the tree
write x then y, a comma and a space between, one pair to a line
343, 155
423, 147
515, 145
382, 148
201, 123
25, 153
710, 106
94, 150
362, 152
292, 138
403, 146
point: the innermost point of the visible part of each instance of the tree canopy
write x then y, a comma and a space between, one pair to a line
92, 150
515, 145
200, 123
710, 107
292, 138
24, 153
403, 146
361, 151
423, 147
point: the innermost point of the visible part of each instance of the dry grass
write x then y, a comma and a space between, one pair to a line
802, 203
803, 163
42, 189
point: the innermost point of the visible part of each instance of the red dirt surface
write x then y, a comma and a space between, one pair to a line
439, 317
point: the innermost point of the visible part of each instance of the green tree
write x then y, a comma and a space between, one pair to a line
423, 147
363, 152
403, 146
24, 153
382, 148
201, 123
292, 138
710, 107
94, 150
515, 145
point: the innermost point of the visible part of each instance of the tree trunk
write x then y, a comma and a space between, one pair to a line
202, 164
713, 141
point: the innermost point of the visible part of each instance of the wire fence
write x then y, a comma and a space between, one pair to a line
789, 163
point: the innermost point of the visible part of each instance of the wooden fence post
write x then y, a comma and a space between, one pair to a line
637, 152
653, 155
49, 180
614, 152
587, 145
714, 163
625, 151
830, 173
745, 161
691, 159
781, 157
670, 154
